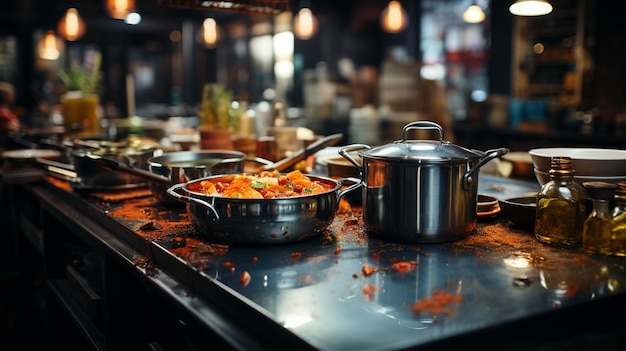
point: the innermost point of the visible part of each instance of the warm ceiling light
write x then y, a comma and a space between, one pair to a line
394, 19
530, 8
71, 26
49, 48
474, 14
119, 8
305, 24
210, 33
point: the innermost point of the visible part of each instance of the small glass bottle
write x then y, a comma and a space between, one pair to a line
561, 209
618, 230
597, 227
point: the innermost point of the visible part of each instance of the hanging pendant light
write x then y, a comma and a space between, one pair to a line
394, 19
210, 33
474, 14
530, 8
50, 46
304, 24
119, 9
71, 27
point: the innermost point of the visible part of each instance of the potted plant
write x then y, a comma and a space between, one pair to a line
79, 105
215, 117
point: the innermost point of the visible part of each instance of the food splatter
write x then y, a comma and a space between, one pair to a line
437, 304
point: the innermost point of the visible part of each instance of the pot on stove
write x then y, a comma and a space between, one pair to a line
419, 191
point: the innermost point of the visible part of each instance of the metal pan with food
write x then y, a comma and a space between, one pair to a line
262, 208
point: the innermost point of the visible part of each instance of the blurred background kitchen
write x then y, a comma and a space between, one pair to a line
363, 68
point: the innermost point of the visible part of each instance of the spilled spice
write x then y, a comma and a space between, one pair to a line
437, 303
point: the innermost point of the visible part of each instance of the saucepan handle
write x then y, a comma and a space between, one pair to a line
345, 152
173, 192
468, 177
357, 184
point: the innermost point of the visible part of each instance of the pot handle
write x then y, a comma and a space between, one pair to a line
345, 150
422, 125
468, 178
357, 184
173, 192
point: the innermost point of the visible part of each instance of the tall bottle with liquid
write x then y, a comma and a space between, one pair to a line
561, 208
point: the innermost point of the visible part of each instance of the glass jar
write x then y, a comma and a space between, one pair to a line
597, 227
618, 230
561, 210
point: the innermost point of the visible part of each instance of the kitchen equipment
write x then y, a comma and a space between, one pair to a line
520, 210
183, 166
594, 162
260, 221
544, 177
419, 191
302, 154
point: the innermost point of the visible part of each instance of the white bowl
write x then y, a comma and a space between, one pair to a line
544, 177
587, 162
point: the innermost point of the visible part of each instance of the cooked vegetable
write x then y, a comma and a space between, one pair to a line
267, 184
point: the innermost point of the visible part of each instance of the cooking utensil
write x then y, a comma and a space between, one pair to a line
183, 166
260, 221
302, 154
419, 191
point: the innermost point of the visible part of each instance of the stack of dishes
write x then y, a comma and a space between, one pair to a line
590, 164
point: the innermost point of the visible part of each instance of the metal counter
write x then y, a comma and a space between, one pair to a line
503, 288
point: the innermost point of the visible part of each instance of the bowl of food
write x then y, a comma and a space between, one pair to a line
261, 208
544, 177
587, 162
520, 211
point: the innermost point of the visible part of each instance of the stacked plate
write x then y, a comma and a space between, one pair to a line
590, 164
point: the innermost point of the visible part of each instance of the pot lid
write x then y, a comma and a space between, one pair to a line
423, 151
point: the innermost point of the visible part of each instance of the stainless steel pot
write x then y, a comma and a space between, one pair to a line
419, 191
92, 173
260, 221
184, 166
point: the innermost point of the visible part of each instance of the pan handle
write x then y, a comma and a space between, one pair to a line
173, 192
357, 184
345, 152
468, 178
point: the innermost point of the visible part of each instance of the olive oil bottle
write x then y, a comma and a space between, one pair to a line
618, 230
597, 227
561, 209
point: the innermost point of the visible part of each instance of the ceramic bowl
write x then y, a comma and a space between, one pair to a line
520, 210
521, 164
587, 162
487, 206
544, 177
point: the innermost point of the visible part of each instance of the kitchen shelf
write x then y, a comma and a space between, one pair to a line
553, 71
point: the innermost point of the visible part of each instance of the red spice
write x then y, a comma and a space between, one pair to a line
403, 266
245, 278
368, 270
437, 303
368, 290
296, 254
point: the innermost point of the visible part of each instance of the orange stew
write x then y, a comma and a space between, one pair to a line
265, 185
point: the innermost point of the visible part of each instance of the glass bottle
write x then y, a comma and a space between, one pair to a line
618, 231
597, 227
561, 210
